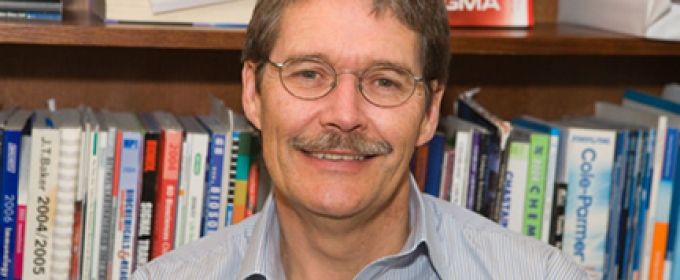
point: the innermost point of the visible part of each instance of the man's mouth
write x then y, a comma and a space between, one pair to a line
337, 157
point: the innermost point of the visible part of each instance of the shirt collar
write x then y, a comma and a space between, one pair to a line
262, 255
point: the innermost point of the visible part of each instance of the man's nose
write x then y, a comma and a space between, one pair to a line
345, 106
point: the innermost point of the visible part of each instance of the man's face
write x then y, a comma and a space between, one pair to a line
338, 182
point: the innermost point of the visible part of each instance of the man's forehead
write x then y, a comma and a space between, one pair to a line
343, 26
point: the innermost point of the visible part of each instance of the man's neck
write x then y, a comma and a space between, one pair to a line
314, 247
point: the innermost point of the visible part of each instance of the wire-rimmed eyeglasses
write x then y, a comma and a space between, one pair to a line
311, 78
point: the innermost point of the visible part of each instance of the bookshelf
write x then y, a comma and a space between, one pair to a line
549, 70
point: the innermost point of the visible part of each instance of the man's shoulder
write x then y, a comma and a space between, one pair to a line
466, 236
218, 254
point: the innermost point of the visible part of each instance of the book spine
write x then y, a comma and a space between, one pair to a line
128, 193
10, 191
461, 168
211, 218
615, 213
515, 191
500, 185
474, 169
535, 193
557, 224
589, 159
632, 178
183, 194
41, 204
434, 163
253, 183
241, 176
446, 178
166, 195
482, 176
230, 180
22, 205
550, 184
69, 157
147, 201
90, 201
108, 198
657, 231
642, 268
196, 187
640, 207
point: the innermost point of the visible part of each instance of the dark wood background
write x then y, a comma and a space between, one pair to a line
549, 71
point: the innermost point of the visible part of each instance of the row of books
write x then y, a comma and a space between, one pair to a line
31, 9
599, 187
93, 195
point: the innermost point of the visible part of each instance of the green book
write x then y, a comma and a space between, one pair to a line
536, 180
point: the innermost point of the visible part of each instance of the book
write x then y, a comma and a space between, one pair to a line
105, 210
11, 161
163, 6
147, 202
22, 202
82, 266
197, 142
656, 237
490, 13
418, 165
42, 197
238, 156
67, 121
549, 185
185, 167
495, 148
32, 5
629, 148
586, 164
461, 135
650, 181
214, 213
168, 180
127, 185
516, 180
226, 14
434, 164
31, 15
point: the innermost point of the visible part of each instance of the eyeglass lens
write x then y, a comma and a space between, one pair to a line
381, 85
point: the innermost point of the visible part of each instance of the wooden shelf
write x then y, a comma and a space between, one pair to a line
81, 28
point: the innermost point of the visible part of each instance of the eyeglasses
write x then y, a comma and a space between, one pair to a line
311, 78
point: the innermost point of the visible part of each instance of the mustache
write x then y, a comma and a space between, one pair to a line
354, 142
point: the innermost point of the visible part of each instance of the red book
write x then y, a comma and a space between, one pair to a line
253, 184
490, 13
163, 237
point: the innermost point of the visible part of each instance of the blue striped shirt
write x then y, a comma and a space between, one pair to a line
445, 242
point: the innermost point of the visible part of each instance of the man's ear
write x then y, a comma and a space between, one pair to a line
251, 99
428, 125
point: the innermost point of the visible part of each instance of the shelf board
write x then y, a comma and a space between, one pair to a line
81, 28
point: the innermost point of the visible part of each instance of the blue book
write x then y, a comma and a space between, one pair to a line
657, 257
130, 151
11, 146
434, 164
647, 200
625, 136
587, 162
213, 219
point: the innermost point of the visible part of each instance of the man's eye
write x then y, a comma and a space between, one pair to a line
385, 83
308, 74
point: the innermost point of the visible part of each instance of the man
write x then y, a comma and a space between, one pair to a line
342, 92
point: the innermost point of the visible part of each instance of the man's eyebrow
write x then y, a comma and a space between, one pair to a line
371, 63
